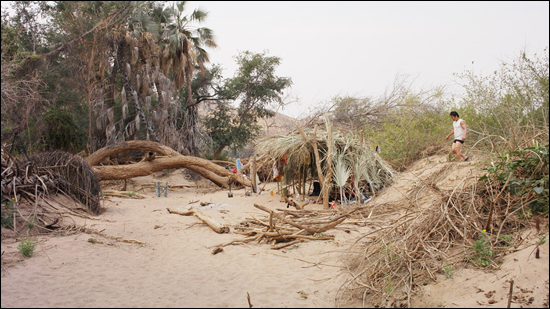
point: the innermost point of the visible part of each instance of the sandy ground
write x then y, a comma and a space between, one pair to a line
170, 263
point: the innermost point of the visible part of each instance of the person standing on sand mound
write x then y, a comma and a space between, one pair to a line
460, 130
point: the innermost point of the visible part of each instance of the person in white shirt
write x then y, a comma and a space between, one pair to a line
460, 131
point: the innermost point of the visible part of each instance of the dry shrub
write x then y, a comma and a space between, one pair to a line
388, 264
73, 176
33, 189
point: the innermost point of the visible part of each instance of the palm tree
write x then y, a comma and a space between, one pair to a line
148, 49
182, 53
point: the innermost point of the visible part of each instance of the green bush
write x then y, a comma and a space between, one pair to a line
62, 131
528, 172
7, 214
510, 106
481, 250
26, 247
407, 132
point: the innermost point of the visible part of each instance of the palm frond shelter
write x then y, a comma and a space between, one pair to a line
355, 166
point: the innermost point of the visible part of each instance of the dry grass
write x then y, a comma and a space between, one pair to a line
389, 263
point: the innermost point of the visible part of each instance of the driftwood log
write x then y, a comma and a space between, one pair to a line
170, 159
218, 228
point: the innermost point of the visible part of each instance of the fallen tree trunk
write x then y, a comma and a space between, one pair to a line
207, 169
111, 150
218, 228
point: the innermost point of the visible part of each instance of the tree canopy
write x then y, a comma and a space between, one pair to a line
255, 88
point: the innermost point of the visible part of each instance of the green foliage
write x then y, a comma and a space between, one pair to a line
510, 105
528, 172
26, 247
506, 240
255, 83
448, 270
409, 130
542, 240
10, 46
254, 88
227, 129
7, 214
62, 131
31, 222
481, 250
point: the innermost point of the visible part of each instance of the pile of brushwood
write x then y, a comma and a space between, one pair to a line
471, 226
29, 184
286, 227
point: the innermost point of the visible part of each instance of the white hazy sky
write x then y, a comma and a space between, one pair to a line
358, 48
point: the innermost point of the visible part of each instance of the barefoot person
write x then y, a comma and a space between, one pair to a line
460, 130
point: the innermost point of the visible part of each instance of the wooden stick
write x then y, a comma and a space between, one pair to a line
241, 240
328, 237
179, 212
248, 298
280, 217
487, 225
218, 228
253, 176
313, 143
328, 158
129, 240
510, 293
130, 194
302, 212
286, 244
150, 156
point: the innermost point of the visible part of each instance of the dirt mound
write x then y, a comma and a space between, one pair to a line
431, 173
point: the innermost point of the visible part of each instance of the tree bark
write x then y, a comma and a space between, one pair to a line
218, 152
111, 150
253, 176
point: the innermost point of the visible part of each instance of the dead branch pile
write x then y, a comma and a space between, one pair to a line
289, 227
389, 263
43, 176
73, 176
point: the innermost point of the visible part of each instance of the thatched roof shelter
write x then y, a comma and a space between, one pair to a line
352, 159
